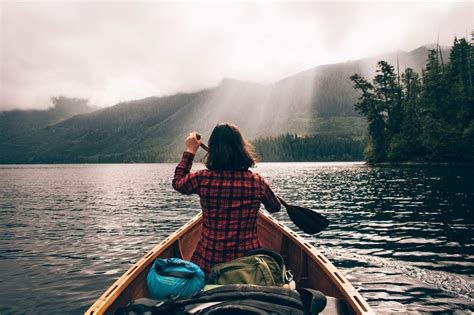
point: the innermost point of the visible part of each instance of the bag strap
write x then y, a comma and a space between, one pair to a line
234, 292
251, 307
158, 307
313, 301
310, 301
174, 273
273, 254
269, 279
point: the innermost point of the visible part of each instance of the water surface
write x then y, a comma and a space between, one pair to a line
402, 235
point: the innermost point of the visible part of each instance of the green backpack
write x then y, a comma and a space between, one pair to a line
259, 267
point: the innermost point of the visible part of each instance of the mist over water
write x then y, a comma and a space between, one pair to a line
402, 236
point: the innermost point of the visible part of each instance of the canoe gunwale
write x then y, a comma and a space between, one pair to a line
351, 295
109, 296
356, 302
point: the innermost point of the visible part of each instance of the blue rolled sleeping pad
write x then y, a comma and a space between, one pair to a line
174, 277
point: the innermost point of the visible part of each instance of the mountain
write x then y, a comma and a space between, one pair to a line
19, 123
317, 101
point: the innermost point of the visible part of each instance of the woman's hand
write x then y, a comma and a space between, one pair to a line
192, 143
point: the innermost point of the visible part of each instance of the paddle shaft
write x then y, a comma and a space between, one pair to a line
307, 220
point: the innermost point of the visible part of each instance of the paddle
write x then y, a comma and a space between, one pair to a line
309, 221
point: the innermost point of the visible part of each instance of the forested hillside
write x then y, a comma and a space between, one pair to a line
427, 117
314, 102
14, 124
294, 148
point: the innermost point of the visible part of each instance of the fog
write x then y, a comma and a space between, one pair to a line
116, 51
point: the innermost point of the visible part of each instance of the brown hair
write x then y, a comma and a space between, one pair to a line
229, 150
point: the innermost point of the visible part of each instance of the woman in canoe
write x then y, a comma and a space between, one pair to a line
230, 195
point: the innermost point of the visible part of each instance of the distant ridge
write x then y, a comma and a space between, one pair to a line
15, 123
316, 101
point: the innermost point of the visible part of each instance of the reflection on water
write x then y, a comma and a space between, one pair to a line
403, 236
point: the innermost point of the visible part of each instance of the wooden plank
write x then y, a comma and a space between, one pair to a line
113, 295
320, 269
311, 268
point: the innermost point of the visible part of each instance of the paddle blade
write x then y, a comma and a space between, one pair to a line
307, 220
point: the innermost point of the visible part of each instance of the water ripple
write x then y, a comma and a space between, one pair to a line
403, 236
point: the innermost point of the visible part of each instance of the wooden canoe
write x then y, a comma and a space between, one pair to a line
310, 268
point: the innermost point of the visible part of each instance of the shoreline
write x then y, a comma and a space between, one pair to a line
403, 163
421, 163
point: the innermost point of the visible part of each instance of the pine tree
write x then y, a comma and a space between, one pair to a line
406, 143
388, 92
430, 118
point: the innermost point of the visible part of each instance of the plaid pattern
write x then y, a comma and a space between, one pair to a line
230, 202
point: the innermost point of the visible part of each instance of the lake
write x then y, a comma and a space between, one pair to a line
402, 235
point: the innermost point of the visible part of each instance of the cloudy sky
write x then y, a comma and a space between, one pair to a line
110, 51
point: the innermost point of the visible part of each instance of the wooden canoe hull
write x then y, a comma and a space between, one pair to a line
310, 268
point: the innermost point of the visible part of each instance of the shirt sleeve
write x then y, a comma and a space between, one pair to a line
269, 200
184, 181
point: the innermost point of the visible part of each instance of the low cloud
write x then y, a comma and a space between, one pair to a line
115, 51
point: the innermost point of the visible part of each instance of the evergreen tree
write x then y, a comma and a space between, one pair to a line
459, 76
376, 102
440, 136
405, 143
294, 148
429, 118
388, 92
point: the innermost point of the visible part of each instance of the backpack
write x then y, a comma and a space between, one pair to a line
234, 299
260, 267
174, 277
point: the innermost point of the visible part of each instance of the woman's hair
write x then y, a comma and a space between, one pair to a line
228, 149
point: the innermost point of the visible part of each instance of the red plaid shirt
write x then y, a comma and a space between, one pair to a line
230, 202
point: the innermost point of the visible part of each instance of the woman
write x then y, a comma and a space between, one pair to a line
230, 195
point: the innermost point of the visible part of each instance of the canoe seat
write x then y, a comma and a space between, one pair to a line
335, 306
